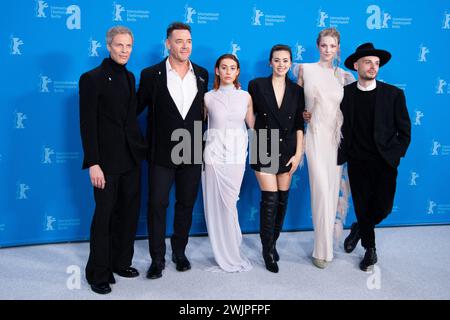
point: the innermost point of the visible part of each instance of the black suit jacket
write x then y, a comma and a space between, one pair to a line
392, 126
110, 132
163, 115
287, 119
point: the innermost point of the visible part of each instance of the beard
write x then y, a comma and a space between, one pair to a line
367, 76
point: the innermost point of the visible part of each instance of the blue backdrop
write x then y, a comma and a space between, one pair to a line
47, 45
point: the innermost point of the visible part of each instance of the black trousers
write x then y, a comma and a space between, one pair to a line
114, 225
161, 179
373, 183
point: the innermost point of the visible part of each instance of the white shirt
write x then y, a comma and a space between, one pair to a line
370, 87
182, 91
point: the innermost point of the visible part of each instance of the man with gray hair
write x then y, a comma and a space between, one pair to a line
113, 149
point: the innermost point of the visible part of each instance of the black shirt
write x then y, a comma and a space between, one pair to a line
363, 145
122, 74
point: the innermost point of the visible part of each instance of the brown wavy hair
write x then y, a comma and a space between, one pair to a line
217, 78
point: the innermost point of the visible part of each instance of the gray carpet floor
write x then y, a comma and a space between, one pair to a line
414, 263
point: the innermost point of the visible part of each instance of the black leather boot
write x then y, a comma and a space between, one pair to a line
370, 258
268, 210
352, 240
279, 219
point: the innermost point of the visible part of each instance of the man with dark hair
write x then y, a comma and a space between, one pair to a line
173, 91
376, 134
177, 26
113, 149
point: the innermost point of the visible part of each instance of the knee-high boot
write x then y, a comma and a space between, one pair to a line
279, 219
268, 210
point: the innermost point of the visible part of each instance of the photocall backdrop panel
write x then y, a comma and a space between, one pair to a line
47, 44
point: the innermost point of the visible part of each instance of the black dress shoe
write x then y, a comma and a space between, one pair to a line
155, 270
352, 240
101, 288
370, 258
129, 272
111, 279
181, 261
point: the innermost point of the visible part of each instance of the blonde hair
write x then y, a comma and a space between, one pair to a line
331, 32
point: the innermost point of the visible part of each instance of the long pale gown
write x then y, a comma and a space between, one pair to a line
323, 94
225, 155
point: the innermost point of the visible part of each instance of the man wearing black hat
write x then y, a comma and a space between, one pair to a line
376, 134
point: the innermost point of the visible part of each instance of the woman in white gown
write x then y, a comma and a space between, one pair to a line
323, 84
228, 109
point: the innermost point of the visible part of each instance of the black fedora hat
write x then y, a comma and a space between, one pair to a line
364, 50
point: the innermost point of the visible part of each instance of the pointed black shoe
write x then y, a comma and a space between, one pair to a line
182, 263
370, 258
352, 240
269, 260
101, 288
129, 272
155, 270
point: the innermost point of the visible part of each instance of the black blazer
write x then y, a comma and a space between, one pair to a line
287, 119
163, 115
392, 126
110, 132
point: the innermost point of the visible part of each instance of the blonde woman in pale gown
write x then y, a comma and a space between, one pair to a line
323, 84
228, 109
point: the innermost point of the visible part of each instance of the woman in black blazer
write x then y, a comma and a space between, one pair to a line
277, 145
